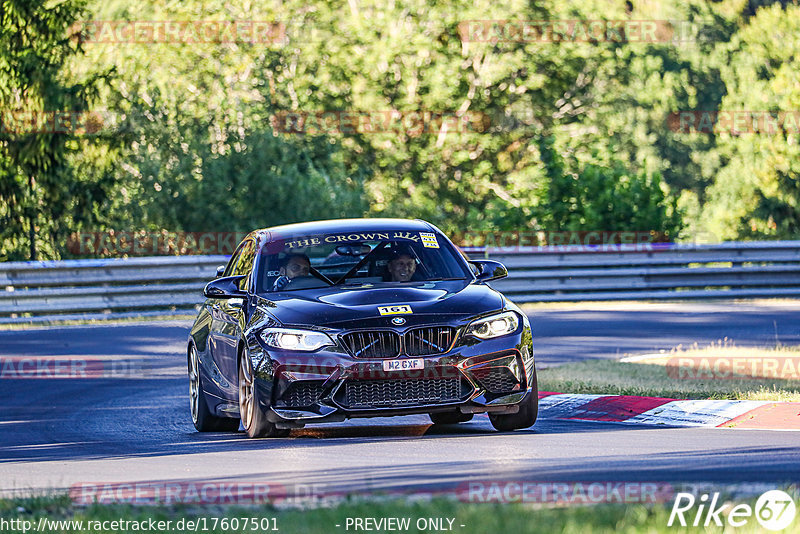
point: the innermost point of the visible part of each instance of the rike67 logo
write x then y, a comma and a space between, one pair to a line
774, 510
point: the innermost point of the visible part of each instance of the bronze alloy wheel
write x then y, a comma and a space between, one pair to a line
202, 418
254, 420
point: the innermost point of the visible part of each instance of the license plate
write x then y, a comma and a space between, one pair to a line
407, 364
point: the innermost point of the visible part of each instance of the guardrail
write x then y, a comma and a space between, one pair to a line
649, 271
72, 289
37, 291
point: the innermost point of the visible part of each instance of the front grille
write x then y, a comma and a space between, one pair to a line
373, 344
496, 379
429, 340
301, 393
389, 393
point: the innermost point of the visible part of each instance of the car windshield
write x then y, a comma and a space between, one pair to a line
357, 258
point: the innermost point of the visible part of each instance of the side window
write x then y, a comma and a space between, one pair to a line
244, 263
234, 259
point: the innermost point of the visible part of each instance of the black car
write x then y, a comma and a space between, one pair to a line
318, 322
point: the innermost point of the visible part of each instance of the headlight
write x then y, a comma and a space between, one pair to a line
494, 326
295, 339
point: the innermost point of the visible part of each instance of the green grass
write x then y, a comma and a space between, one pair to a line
651, 378
478, 518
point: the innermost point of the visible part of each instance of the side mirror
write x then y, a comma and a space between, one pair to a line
225, 288
489, 270
220, 270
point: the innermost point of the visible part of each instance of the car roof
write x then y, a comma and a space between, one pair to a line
346, 225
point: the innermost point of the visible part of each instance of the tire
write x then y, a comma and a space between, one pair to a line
450, 418
203, 419
525, 417
254, 420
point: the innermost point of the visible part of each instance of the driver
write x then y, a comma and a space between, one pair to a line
291, 267
401, 267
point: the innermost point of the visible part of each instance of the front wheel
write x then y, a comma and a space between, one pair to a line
203, 419
525, 417
254, 420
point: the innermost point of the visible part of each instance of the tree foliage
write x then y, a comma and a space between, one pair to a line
43, 196
569, 136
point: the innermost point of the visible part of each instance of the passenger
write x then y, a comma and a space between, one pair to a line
401, 267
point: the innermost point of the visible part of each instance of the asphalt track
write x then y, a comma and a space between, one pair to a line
55, 433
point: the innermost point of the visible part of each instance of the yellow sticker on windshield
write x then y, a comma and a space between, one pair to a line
394, 310
429, 240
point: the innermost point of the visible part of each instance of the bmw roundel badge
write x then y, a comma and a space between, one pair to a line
398, 321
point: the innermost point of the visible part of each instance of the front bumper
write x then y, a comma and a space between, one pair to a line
327, 386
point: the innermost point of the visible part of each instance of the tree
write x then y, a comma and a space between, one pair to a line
199, 152
411, 57
757, 192
42, 199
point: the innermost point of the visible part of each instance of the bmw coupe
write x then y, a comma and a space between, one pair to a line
323, 321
